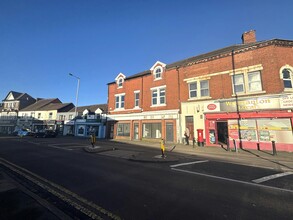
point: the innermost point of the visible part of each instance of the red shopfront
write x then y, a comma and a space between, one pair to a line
250, 129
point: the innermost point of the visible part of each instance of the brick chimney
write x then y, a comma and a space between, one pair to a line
248, 37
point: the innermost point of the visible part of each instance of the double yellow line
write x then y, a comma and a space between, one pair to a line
88, 208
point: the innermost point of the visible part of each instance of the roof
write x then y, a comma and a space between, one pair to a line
54, 106
17, 95
38, 105
91, 108
217, 54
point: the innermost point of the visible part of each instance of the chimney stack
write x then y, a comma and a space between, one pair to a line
248, 37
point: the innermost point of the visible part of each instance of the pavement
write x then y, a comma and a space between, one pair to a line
282, 161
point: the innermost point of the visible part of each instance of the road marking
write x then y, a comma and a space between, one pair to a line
275, 176
185, 164
232, 180
62, 193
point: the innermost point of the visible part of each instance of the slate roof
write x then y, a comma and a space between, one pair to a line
91, 108
54, 106
217, 54
40, 104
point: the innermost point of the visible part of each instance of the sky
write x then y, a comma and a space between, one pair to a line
42, 41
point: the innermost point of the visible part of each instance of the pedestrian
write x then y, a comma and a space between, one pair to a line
187, 134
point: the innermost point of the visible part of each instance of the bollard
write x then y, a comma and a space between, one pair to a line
274, 148
93, 140
163, 148
235, 145
193, 142
257, 145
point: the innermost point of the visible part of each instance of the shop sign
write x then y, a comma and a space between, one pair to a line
250, 104
211, 107
81, 120
286, 101
69, 122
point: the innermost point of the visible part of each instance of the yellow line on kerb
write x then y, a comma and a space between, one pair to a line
21, 170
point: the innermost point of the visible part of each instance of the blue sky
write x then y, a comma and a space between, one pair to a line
44, 40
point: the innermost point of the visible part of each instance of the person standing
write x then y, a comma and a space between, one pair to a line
187, 134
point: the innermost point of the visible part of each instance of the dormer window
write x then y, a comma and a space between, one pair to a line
120, 80
158, 72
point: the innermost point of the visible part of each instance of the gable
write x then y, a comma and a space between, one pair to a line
158, 63
10, 97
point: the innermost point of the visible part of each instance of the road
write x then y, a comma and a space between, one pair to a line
88, 185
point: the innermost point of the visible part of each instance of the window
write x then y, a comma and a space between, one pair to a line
136, 99
120, 82
158, 72
152, 130
39, 115
287, 78
119, 101
238, 82
70, 117
50, 115
248, 82
254, 82
203, 89
123, 129
158, 96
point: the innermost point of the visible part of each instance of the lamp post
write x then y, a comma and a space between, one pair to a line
76, 100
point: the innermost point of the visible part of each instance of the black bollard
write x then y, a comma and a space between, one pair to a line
274, 148
257, 145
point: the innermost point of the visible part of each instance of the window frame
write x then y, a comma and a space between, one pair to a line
198, 90
290, 79
157, 99
158, 75
246, 82
136, 99
120, 101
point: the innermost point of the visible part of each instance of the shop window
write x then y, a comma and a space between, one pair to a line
152, 130
199, 89
123, 129
158, 96
119, 101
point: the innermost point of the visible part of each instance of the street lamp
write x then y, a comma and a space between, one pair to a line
76, 100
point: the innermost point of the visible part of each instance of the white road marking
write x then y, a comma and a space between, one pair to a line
185, 164
232, 180
275, 176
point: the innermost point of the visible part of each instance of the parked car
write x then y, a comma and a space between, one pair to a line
45, 134
24, 132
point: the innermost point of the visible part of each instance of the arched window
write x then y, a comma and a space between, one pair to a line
287, 78
120, 82
158, 72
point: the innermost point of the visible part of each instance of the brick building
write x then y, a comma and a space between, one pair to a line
239, 95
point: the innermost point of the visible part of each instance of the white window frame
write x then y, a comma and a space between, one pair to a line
158, 75
120, 82
157, 91
247, 83
198, 90
136, 99
120, 101
290, 79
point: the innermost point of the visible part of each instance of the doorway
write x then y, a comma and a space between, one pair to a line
190, 125
169, 132
222, 131
135, 131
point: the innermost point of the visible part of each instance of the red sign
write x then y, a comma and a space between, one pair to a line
211, 106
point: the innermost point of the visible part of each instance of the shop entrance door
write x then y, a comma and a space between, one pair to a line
190, 125
222, 131
169, 132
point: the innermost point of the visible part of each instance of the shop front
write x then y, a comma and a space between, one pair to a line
255, 123
84, 128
